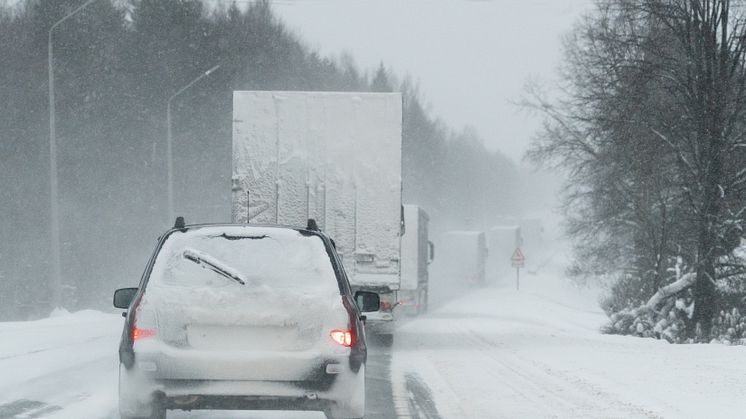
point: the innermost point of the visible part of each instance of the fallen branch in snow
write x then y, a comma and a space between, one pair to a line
686, 281
647, 321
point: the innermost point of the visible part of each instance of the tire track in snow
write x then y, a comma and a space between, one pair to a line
85, 382
421, 403
26, 409
578, 396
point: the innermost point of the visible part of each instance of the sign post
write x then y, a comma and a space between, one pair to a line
517, 261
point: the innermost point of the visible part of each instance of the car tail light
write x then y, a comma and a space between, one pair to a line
141, 333
346, 337
342, 337
135, 332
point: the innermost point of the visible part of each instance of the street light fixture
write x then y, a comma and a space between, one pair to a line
169, 141
56, 274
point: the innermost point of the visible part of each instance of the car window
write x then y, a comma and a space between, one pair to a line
247, 258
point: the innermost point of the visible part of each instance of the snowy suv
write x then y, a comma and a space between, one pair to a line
243, 317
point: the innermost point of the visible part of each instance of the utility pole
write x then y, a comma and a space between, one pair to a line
169, 141
55, 278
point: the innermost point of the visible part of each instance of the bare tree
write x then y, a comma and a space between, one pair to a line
703, 72
652, 128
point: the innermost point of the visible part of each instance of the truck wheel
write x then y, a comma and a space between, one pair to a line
386, 340
422, 303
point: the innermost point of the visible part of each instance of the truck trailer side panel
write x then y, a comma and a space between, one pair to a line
333, 157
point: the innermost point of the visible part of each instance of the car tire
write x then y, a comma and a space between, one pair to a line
131, 409
156, 407
330, 415
157, 412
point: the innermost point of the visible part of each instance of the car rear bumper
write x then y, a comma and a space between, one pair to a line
345, 394
163, 361
202, 402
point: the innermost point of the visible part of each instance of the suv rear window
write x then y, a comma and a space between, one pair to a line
260, 257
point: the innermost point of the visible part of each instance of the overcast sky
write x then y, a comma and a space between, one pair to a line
472, 58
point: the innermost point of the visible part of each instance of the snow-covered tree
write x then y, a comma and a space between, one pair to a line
652, 130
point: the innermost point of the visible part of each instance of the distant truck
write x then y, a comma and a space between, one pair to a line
532, 241
466, 257
334, 158
417, 252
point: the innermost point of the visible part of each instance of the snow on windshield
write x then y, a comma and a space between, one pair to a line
267, 257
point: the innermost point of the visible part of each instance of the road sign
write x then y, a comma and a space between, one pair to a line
517, 260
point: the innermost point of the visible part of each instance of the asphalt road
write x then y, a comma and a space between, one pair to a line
412, 400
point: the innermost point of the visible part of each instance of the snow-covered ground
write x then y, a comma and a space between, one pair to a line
61, 367
491, 353
537, 353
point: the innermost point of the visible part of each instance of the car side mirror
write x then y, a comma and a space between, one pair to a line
367, 301
123, 297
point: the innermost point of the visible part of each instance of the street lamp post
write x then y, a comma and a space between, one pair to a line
56, 274
169, 141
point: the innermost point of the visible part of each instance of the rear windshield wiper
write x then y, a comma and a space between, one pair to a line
208, 262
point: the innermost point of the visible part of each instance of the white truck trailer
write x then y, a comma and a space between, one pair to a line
331, 157
416, 254
465, 257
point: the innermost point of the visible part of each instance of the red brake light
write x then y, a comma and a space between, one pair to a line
135, 332
342, 337
141, 333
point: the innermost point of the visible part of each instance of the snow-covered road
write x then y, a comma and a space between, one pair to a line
60, 367
537, 353
490, 353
